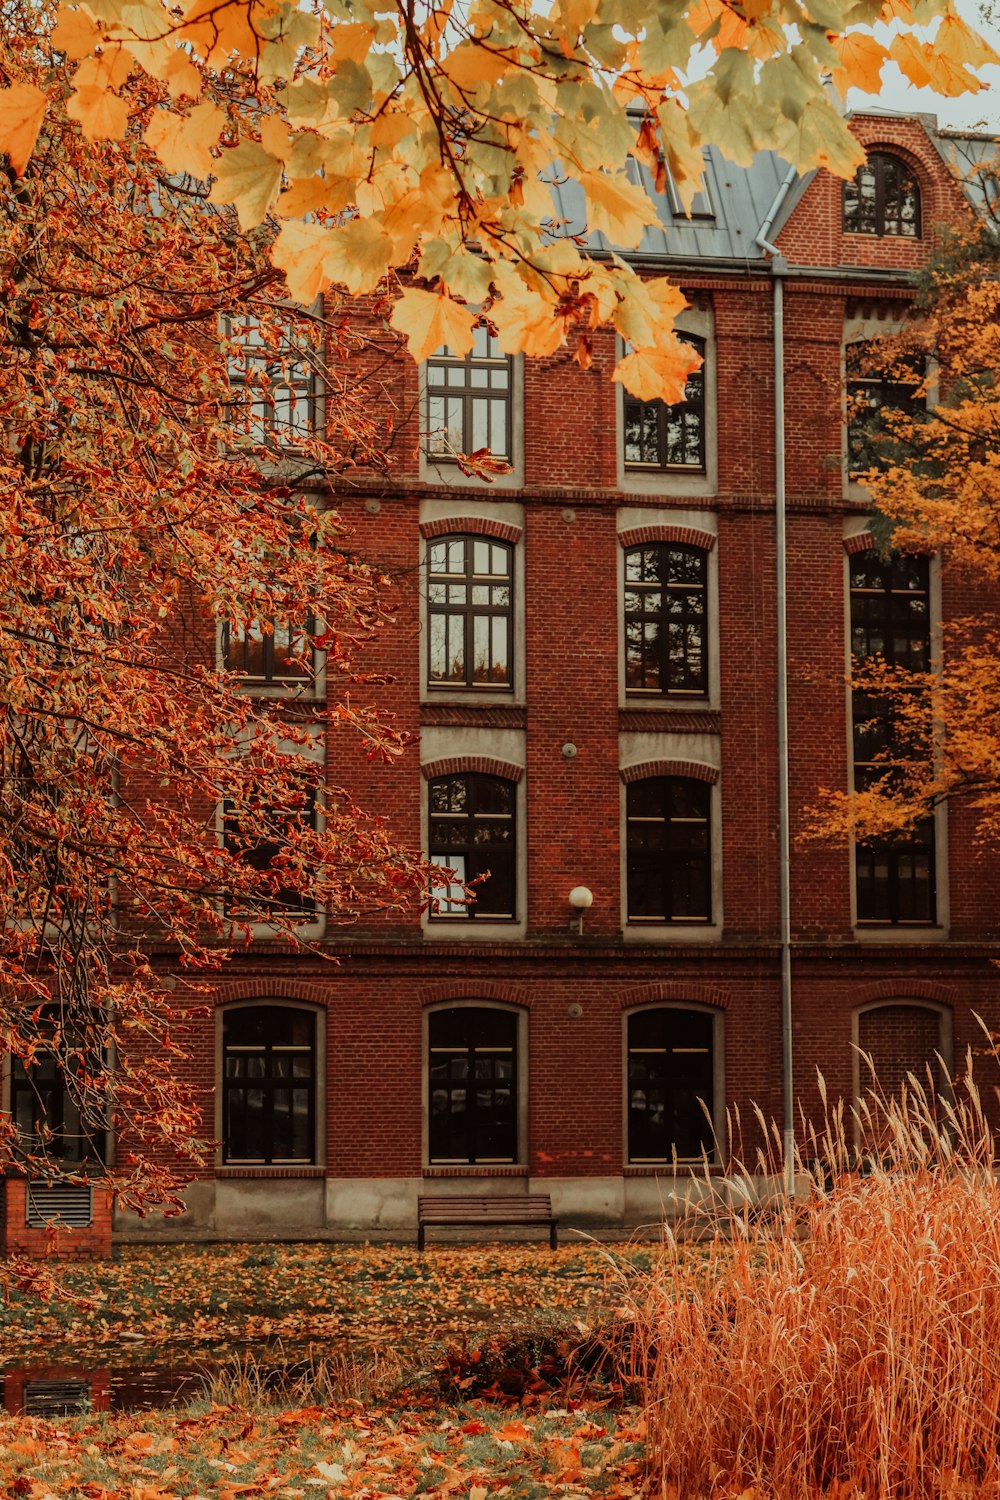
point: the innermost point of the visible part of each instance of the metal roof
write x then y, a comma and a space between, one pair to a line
740, 199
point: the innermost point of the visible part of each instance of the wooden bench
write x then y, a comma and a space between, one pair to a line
484, 1211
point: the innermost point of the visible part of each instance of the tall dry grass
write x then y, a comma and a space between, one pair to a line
846, 1344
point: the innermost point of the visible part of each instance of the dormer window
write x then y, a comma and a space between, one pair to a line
883, 199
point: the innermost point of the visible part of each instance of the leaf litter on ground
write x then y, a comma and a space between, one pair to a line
464, 1366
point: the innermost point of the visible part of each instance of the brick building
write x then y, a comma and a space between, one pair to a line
587, 650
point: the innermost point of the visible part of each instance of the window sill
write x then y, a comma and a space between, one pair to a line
876, 933
471, 1170
271, 1172
670, 1169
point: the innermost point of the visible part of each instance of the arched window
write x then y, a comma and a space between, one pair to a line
669, 850
658, 436
666, 620
472, 831
268, 1086
472, 1085
671, 1089
469, 604
899, 1039
883, 199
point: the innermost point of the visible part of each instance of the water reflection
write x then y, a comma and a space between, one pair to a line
69, 1391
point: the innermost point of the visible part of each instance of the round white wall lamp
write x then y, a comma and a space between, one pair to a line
581, 899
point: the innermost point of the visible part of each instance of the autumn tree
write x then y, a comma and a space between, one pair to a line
932, 466
167, 528
425, 136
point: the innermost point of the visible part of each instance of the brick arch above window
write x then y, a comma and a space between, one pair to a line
862, 541
685, 536
912, 992
501, 531
664, 993
484, 765
693, 769
250, 991
487, 992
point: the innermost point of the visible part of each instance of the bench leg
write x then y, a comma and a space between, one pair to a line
420, 1236
553, 1237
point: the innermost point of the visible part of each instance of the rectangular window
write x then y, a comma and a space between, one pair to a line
669, 850
469, 612
257, 836
469, 401
658, 436
269, 1086
273, 375
472, 1086
890, 623
666, 620
472, 832
670, 1085
879, 383
270, 652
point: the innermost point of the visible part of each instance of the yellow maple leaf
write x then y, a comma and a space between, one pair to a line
300, 250
360, 253
248, 177
657, 374
183, 143
102, 116
431, 319
525, 318
906, 53
861, 58
956, 40
472, 64
108, 71
645, 311
276, 138
617, 207
22, 109
75, 33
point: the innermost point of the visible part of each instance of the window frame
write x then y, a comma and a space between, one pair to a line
707, 858
263, 428
468, 394
662, 411
519, 1024
310, 922
663, 617
44, 1092
317, 1086
472, 851
927, 837
880, 161
891, 393
470, 612
716, 1020
269, 684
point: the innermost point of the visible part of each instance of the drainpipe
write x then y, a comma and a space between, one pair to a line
779, 269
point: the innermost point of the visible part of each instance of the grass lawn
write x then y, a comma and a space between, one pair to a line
464, 1371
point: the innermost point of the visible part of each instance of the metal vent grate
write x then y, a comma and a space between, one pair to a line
56, 1398
67, 1203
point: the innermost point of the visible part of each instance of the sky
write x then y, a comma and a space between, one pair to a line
979, 111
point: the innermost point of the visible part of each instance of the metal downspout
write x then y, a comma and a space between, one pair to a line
779, 269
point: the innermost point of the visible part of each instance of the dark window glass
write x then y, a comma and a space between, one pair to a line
883, 199
257, 839
46, 1110
472, 1072
658, 436
874, 390
670, 1085
669, 854
469, 400
269, 651
269, 1085
469, 612
472, 833
890, 622
666, 620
